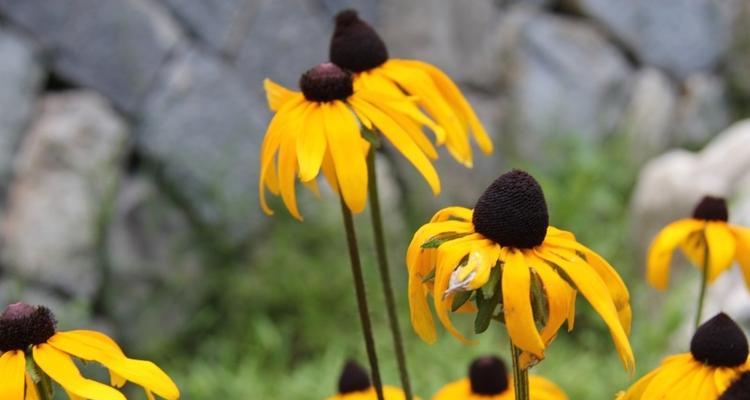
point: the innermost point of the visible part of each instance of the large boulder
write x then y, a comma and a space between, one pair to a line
113, 46
68, 169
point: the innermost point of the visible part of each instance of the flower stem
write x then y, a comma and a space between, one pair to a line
704, 284
43, 383
359, 288
385, 275
520, 376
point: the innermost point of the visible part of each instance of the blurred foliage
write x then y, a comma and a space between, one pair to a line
282, 324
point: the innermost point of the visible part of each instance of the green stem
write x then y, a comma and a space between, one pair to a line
385, 276
704, 284
359, 288
520, 376
43, 384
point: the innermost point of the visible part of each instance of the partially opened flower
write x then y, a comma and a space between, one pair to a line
355, 46
505, 257
718, 356
489, 380
354, 384
319, 129
30, 346
739, 389
706, 234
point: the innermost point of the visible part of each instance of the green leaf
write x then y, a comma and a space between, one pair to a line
371, 137
435, 241
430, 276
539, 305
492, 284
460, 299
486, 309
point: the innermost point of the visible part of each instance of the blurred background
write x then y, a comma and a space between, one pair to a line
129, 135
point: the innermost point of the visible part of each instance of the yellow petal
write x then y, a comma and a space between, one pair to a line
31, 392
427, 231
660, 253
311, 144
95, 348
12, 370
414, 130
487, 260
277, 95
595, 291
669, 376
400, 140
421, 316
329, 171
543, 389
62, 370
449, 255
558, 294
721, 248
635, 392
407, 109
461, 213
342, 134
519, 317
742, 238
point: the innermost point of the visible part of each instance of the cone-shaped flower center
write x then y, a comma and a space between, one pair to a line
353, 378
512, 211
739, 389
719, 342
488, 376
326, 82
22, 325
355, 45
711, 209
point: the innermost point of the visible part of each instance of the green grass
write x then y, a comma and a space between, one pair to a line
282, 324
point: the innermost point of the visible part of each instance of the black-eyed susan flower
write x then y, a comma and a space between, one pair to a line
718, 356
516, 268
739, 389
28, 336
706, 233
354, 384
489, 380
319, 129
355, 46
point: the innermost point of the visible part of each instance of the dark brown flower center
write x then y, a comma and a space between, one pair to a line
355, 45
739, 389
512, 211
326, 82
711, 209
353, 378
23, 325
488, 376
719, 342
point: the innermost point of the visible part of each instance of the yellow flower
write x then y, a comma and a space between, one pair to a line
354, 384
488, 380
355, 46
718, 356
706, 232
319, 129
504, 253
29, 331
739, 389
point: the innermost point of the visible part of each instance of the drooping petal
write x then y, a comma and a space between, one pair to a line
342, 133
92, 347
453, 213
311, 144
428, 231
519, 316
448, 257
62, 370
407, 109
742, 239
277, 95
414, 130
635, 392
670, 376
721, 248
12, 371
595, 291
31, 392
421, 316
400, 140
660, 253
543, 389
558, 294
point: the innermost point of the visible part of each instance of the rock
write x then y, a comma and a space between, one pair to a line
113, 46
738, 58
68, 168
155, 275
217, 23
650, 114
702, 111
204, 129
20, 77
680, 36
553, 92
670, 185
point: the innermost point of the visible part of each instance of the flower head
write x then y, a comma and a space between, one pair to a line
354, 384
489, 380
318, 129
706, 235
718, 357
30, 331
516, 268
355, 46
